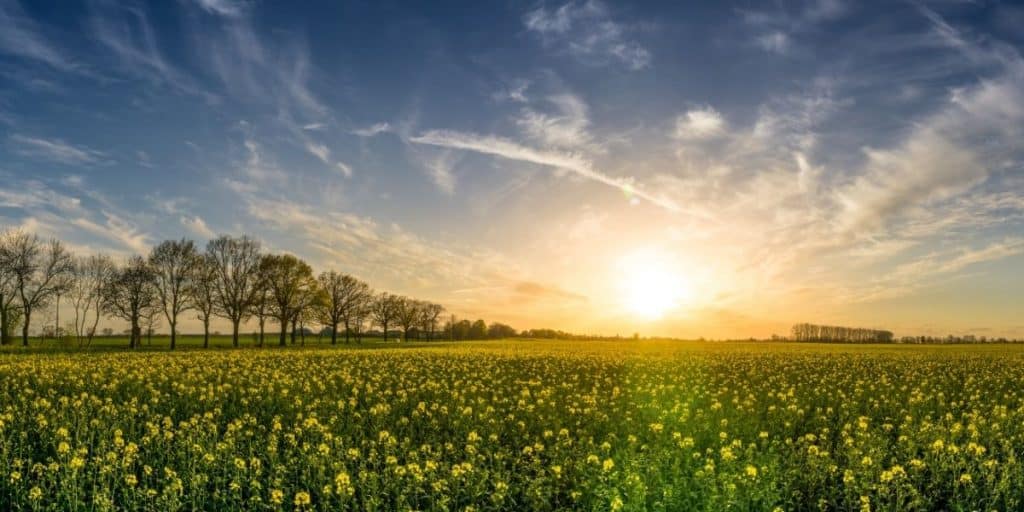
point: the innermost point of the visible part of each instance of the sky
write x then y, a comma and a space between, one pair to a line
742, 165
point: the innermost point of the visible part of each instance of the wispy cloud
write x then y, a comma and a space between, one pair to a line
20, 36
587, 31
228, 8
373, 130
566, 127
700, 123
127, 33
197, 226
440, 169
55, 150
497, 146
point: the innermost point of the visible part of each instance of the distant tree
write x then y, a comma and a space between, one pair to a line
236, 262
261, 309
383, 311
41, 271
499, 330
10, 312
173, 262
150, 322
429, 315
407, 314
92, 273
360, 314
289, 280
478, 330
131, 295
342, 295
202, 293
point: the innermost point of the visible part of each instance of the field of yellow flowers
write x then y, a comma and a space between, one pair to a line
516, 425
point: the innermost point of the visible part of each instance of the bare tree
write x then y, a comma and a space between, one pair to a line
9, 310
92, 273
261, 309
342, 294
236, 262
202, 294
360, 313
407, 314
429, 315
41, 271
131, 295
290, 281
383, 311
172, 262
151, 322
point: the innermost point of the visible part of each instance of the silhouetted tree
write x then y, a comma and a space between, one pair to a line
289, 281
131, 294
407, 314
383, 311
429, 315
41, 271
172, 262
342, 294
478, 330
236, 263
92, 273
202, 292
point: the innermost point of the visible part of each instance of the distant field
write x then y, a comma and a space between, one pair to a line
515, 425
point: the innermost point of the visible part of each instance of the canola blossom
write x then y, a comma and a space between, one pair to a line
516, 426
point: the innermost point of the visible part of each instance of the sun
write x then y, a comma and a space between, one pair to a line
650, 285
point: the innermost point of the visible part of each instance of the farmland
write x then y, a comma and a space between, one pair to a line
514, 425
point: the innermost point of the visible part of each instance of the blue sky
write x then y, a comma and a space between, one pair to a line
825, 160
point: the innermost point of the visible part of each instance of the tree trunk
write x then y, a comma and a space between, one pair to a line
234, 333
346, 332
262, 321
4, 328
24, 328
295, 321
206, 333
173, 335
334, 334
385, 326
284, 332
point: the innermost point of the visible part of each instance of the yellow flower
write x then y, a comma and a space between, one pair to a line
131, 480
965, 478
35, 494
276, 496
751, 471
301, 498
608, 465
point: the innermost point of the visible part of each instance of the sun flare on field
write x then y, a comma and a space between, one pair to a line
650, 284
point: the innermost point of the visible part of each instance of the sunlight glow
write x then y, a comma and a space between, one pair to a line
650, 284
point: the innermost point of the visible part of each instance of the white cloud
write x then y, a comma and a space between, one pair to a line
20, 36
775, 42
567, 128
345, 169
497, 146
373, 130
197, 226
126, 32
587, 31
319, 150
699, 123
56, 150
440, 170
228, 8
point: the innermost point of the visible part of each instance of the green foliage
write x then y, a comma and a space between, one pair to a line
517, 425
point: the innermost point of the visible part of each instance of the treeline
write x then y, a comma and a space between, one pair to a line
839, 334
231, 278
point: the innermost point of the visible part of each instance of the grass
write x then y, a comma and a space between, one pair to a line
514, 425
